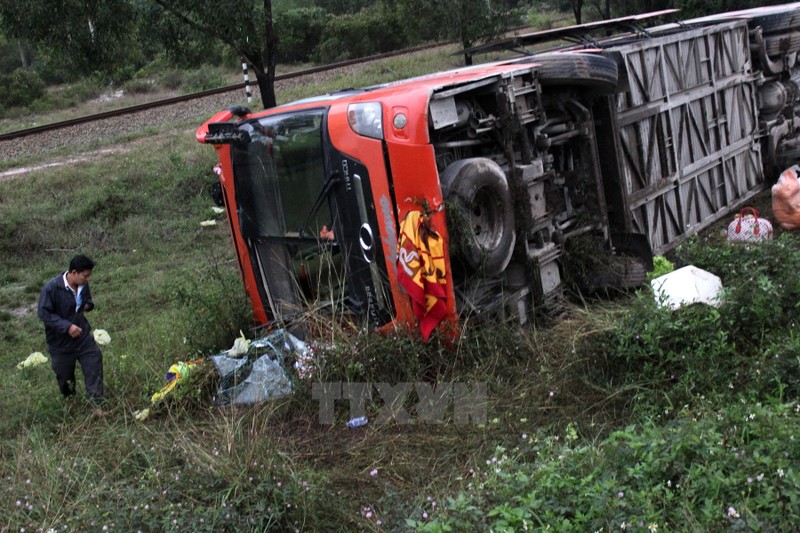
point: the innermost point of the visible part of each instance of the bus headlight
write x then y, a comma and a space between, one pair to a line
366, 119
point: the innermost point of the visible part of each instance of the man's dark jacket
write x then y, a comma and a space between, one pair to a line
57, 311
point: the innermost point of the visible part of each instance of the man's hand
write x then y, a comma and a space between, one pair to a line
74, 331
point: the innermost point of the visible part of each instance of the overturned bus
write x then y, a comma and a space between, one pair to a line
484, 189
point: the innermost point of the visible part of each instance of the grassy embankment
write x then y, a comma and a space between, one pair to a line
619, 414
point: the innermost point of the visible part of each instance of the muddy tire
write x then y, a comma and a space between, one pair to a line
481, 214
592, 71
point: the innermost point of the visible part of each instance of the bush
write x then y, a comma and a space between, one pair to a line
353, 36
20, 88
725, 469
215, 308
301, 30
9, 56
761, 286
164, 72
172, 78
661, 266
670, 356
81, 91
204, 78
539, 20
139, 86
748, 344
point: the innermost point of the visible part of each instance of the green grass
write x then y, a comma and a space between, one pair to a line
615, 397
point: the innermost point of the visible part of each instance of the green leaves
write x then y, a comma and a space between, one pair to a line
701, 473
91, 37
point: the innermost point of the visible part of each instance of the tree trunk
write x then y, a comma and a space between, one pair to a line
266, 76
266, 84
577, 7
24, 54
467, 57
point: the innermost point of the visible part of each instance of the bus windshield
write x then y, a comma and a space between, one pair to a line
281, 183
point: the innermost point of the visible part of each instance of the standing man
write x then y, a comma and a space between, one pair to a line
62, 304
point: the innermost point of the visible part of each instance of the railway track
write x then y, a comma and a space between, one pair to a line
93, 128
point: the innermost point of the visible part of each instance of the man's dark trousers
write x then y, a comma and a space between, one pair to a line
91, 361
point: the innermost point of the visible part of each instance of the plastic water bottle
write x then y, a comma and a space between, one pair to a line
357, 422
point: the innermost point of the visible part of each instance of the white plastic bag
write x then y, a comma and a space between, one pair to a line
686, 286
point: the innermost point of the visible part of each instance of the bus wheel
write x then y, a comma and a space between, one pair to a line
480, 214
592, 71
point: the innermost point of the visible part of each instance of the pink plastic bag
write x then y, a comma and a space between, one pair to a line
786, 200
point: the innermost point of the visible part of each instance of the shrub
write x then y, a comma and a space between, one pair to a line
82, 90
9, 56
213, 306
301, 30
669, 356
352, 36
747, 344
164, 72
540, 21
761, 286
725, 469
661, 266
171, 78
139, 86
204, 78
20, 88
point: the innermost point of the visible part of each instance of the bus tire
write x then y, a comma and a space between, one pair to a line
592, 71
480, 214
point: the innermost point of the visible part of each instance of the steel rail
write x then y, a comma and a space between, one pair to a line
202, 94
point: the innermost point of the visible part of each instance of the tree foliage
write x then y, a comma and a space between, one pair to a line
300, 31
113, 39
93, 37
19, 87
467, 21
246, 26
370, 31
